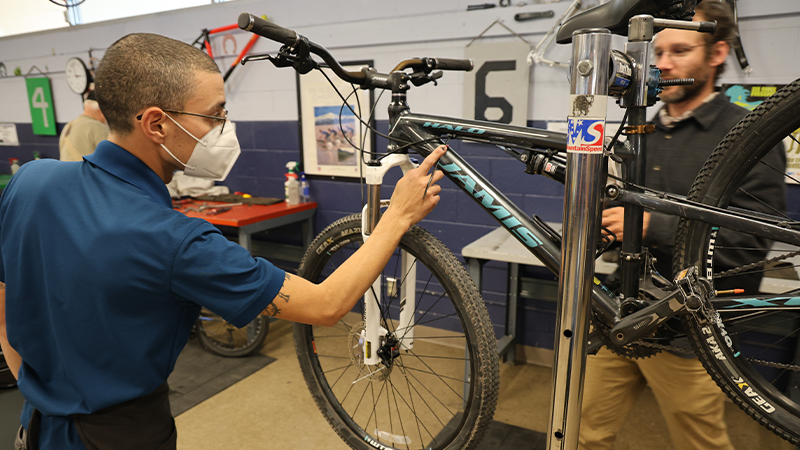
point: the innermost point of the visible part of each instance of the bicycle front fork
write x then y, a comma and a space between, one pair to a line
374, 332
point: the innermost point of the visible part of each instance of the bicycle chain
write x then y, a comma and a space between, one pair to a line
670, 348
756, 264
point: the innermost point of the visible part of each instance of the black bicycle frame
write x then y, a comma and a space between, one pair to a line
533, 233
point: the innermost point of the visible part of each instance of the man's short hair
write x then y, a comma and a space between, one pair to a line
142, 70
711, 10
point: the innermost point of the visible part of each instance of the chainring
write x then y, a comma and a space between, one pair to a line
630, 351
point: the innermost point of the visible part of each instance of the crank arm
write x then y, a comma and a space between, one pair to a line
688, 296
643, 322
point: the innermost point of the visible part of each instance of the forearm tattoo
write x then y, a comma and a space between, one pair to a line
272, 310
281, 294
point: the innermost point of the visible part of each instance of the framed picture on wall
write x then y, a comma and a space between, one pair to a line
332, 136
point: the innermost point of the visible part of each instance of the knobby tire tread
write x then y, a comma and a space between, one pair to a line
750, 139
488, 373
251, 347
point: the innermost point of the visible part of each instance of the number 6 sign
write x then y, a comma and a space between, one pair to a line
41, 103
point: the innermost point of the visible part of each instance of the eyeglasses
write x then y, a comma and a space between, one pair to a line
223, 117
677, 53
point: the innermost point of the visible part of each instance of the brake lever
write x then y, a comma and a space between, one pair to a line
420, 78
286, 58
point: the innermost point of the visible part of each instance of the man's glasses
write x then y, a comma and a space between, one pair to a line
223, 117
676, 53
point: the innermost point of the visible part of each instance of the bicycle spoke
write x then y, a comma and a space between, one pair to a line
426, 403
424, 289
432, 395
332, 357
399, 416
441, 357
349, 390
425, 313
338, 368
355, 411
441, 378
438, 318
411, 397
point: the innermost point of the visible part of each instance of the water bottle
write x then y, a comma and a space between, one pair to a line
305, 195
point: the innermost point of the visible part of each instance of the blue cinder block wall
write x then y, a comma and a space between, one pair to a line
457, 220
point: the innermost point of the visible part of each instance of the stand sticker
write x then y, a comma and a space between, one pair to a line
586, 123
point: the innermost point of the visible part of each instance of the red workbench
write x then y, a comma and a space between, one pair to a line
250, 219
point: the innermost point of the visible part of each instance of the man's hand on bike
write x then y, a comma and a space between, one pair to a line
408, 204
614, 219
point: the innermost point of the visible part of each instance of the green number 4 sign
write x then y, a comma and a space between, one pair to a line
41, 103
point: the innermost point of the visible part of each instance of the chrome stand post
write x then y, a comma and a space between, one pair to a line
591, 49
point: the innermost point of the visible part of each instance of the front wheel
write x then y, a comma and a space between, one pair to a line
438, 391
749, 343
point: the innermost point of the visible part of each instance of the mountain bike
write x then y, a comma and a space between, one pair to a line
415, 366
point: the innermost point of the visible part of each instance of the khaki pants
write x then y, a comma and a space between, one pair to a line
692, 404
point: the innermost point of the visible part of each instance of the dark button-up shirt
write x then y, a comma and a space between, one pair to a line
675, 156
104, 281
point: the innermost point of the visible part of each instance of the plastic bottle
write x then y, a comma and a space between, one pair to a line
292, 189
305, 195
14, 165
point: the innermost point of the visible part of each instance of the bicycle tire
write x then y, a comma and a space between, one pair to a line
439, 276
224, 339
735, 353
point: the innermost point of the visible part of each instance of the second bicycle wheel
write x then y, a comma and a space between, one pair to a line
439, 394
222, 338
749, 343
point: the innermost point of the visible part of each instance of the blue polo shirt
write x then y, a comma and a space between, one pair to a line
104, 281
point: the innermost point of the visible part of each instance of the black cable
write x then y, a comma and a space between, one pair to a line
611, 144
66, 3
366, 124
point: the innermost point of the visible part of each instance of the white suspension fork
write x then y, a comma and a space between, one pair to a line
373, 331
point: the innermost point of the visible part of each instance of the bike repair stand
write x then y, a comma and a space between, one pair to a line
591, 51
589, 88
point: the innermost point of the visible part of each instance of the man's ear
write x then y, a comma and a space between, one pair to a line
152, 124
719, 53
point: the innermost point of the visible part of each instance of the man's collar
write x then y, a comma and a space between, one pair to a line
706, 114
124, 165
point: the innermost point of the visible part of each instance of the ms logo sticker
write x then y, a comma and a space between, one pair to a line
585, 135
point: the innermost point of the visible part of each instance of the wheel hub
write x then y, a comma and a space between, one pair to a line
376, 373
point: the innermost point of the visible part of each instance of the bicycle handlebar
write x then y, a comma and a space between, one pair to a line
261, 27
454, 64
366, 78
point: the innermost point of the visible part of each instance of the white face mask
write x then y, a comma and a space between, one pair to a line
213, 155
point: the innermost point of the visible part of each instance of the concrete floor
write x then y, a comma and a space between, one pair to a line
272, 409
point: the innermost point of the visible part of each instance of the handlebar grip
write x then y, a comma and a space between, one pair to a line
454, 64
261, 27
708, 27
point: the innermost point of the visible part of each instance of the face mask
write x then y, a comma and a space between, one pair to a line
213, 155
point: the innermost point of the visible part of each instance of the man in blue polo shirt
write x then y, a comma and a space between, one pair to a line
103, 279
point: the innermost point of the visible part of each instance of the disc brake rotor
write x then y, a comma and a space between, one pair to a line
355, 344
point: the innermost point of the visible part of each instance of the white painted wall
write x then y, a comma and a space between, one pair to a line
383, 31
